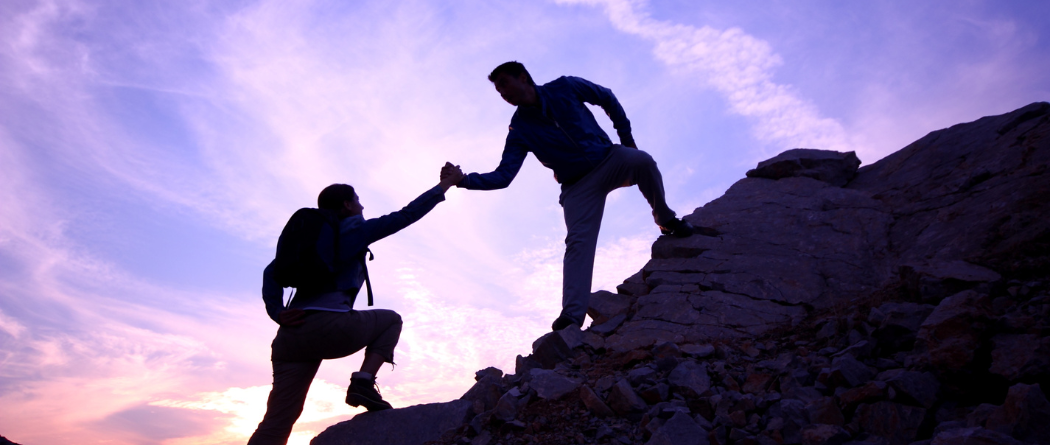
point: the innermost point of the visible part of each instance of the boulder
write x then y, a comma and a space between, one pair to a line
485, 393
952, 332
656, 393
973, 436
605, 305
698, 351
821, 434
1021, 356
1024, 415
974, 192
979, 415
508, 405
848, 371
522, 365
918, 388
609, 326
594, 403
551, 349
757, 383
828, 166
868, 393
412, 425
680, 429
897, 423
897, 324
550, 385
690, 377
825, 411
931, 281
623, 400
792, 417
633, 286
666, 350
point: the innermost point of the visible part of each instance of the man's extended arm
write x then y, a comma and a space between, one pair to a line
603, 97
514, 153
375, 229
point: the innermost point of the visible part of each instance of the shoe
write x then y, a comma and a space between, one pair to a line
561, 323
677, 228
365, 391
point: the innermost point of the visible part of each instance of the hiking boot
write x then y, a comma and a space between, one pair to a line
363, 390
677, 228
562, 322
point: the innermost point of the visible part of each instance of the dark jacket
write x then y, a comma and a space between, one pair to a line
560, 131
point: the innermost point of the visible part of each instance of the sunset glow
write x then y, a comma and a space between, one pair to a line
152, 152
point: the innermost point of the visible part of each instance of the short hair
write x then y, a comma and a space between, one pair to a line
513, 69
332, 197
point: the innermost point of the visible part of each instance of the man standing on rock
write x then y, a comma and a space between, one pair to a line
320, 322
553, 123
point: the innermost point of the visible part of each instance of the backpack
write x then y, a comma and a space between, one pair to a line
298, 263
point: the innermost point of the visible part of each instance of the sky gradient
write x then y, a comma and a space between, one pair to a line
151, 152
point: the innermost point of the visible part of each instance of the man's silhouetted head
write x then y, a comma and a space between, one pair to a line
512, 69
514, 84
340, 198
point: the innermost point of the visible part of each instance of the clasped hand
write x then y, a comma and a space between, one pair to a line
450, 175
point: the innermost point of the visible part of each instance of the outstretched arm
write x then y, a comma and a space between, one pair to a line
513, 156
375, 229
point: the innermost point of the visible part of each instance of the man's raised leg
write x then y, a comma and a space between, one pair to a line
635, 166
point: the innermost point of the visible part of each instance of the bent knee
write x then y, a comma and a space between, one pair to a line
644, 158
390, 317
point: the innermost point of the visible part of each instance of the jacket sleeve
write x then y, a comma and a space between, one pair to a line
603, 97
272, 293
514, 153
357, 238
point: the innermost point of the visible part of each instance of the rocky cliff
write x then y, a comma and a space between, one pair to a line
902, 302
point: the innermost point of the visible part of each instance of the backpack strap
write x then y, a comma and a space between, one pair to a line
368, 281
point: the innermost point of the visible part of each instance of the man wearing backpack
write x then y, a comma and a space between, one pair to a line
553, 124
320, 322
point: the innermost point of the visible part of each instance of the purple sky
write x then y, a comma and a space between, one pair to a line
152, 151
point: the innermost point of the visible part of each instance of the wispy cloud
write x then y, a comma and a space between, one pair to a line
739, 66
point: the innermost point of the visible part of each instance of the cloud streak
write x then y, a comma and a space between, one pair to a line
741, 68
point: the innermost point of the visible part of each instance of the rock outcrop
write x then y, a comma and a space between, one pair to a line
414, 424
904, 302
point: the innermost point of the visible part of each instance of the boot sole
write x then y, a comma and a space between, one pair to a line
369, 404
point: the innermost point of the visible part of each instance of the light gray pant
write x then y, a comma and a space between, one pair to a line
584, 204
297, 353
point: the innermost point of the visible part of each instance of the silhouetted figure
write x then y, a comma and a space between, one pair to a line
553, 123
320, 322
